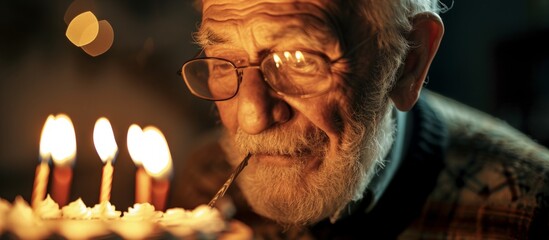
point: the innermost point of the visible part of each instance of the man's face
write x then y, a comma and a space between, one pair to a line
310, 156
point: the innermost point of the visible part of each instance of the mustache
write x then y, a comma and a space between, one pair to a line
293, 142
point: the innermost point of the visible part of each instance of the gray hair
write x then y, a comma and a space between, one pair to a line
387, 24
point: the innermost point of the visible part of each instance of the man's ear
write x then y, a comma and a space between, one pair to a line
424, 39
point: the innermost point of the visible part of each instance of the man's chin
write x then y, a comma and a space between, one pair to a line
283, 189
281, 198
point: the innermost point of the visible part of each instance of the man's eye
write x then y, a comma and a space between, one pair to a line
303, 67
221, 67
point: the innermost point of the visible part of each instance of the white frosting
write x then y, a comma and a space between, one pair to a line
105, 210
21, 214
139, 221
23, 222
142, 211
5, 207
203, 219
207, 219
76, 210
48, 209
174, 216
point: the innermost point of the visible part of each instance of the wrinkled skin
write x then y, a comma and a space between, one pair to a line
311, 156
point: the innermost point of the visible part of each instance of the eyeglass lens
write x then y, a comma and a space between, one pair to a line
296, 73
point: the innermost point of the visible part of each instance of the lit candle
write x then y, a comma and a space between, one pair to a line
142, 178
63, 153
105, 144
43, 169
158, 164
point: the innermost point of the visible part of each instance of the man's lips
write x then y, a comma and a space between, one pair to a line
286, 160
279, 160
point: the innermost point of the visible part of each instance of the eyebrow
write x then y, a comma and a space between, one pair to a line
206, 37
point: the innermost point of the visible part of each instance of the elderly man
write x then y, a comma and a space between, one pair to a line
327, 98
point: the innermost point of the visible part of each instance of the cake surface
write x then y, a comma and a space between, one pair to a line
103, 221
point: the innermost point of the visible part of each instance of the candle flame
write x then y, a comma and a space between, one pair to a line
103, 138
63, 145
135, 144
157, 159
46, 139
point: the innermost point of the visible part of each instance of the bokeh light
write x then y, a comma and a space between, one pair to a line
102, 42
83, 29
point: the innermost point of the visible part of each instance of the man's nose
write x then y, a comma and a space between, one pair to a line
259, 107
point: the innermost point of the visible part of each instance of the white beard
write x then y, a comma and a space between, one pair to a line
292, 196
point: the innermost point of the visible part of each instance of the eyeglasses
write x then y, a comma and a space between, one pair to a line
289, 73
300, 74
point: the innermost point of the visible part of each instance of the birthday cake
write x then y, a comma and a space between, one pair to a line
18, 220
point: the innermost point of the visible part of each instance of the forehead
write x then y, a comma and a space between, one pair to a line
247, 4
264, 22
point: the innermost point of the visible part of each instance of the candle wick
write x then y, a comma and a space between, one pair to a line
229, 181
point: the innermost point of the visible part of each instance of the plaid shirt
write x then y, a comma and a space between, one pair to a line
494, 183
464, 175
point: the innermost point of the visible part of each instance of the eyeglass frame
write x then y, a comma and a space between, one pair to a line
239, 71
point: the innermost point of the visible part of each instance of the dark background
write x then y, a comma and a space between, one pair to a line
494, 57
